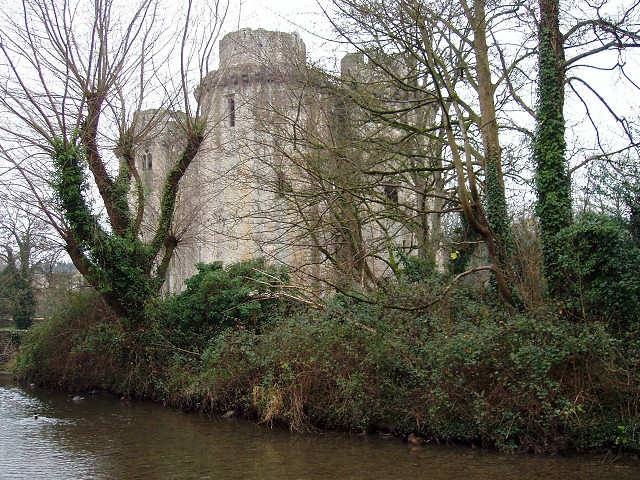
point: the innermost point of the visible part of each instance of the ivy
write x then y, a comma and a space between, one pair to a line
71, 188
118, 266
170, 189
124, 270
497, 214
498, 218
552, 183
601, 266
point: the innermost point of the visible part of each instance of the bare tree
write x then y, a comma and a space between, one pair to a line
76, 74
476, 61
448, 44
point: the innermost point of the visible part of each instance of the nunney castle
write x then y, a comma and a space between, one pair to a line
293, 169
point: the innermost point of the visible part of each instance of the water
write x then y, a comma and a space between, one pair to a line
101, 437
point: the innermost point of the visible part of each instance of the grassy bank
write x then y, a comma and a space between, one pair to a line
462, 370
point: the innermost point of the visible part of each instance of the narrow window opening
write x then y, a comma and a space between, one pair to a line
147, 161
232, 111
391, 191
281, 182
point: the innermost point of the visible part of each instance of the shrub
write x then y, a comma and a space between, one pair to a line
329, 369
458, 370
78, 348
216, 298
602, 269
486, 376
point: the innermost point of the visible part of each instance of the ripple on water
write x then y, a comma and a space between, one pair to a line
103, 438
28, 446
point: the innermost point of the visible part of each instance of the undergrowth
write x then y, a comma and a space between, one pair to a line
462, 370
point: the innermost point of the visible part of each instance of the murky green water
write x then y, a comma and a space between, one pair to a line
101, 437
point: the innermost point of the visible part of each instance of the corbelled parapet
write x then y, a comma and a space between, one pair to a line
255, 57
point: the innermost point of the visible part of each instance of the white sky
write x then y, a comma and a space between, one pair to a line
302, 16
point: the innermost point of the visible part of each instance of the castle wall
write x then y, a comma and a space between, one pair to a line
231, 183
262, 111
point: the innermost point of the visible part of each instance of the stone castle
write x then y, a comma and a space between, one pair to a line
270, 177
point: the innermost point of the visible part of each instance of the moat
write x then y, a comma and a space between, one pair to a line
54, 436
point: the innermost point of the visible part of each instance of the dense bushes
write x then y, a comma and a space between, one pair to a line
459, 370
78, 348
84, 346
241, 295
601, 266
528, 382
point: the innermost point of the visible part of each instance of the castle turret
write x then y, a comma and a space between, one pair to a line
261, 47
252, 58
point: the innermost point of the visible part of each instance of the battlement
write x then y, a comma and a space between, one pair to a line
255, 57
261, 47
371, 66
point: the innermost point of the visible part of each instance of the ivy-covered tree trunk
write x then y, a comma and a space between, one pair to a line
632, 200
552, 181
126, 271
496, 203
635, 226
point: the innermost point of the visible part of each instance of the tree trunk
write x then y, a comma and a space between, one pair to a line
552, 181
497, 215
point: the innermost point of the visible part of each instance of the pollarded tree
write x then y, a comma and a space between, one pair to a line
77, 71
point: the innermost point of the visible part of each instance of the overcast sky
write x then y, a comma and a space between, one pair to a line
303, 16
307, 18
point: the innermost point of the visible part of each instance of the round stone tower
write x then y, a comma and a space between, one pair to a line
260, 47
251, 59
253, 84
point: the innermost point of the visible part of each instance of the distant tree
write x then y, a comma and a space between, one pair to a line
25, 247
23, 302
613, 188
5, 296
16, 284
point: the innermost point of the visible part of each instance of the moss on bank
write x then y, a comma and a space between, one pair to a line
462, 371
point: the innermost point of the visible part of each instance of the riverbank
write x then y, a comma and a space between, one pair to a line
457, 373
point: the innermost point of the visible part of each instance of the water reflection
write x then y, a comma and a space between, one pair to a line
103, 438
